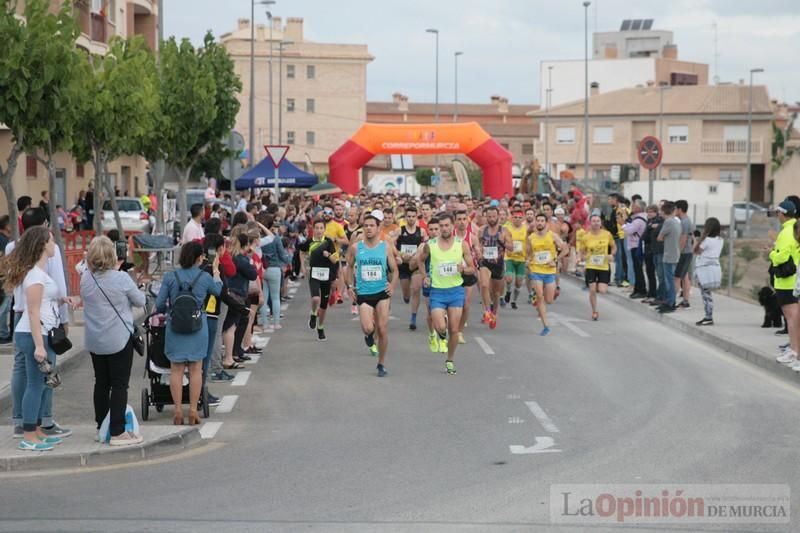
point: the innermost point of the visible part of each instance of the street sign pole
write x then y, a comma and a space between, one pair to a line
650, 188
277, 184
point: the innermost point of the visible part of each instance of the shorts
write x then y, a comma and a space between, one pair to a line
683, 265
404, 271
785, 297
496, 269
321, 289
372, 300
597, 276
468, 280
547, 279
447, 298
515, 268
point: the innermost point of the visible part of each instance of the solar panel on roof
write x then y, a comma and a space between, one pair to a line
626, 25
637, 25
648, 24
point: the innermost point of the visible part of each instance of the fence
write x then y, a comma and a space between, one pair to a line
75, 246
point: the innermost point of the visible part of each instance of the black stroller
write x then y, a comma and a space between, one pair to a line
157, 370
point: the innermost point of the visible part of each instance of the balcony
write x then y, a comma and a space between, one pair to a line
99, 28
729, 147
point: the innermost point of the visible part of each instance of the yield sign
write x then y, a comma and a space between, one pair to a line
276, 153
650, 152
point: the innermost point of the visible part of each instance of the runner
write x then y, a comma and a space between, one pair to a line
515, 257
545, 248
493, 242
389, 228
597, 249
322, 258
370, 281
335, 232
464, 231
426, 211
410, 238
450, 258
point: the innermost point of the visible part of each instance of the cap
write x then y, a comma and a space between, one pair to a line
494, 203
786, 207
377, 213
596, 212
559, 211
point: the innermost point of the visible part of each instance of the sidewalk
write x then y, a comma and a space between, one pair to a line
80, 449
736, 330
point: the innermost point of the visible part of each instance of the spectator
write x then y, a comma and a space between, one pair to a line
109, 296
708, 271
670, 235
194, 229
276, 256
89, 220
228, 269
682, 280
613, 227
44, 203
784, 258
654, 257
238, 285
23, 203
188, 349
634, 231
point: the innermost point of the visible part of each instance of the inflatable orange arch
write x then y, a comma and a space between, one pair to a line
466, 138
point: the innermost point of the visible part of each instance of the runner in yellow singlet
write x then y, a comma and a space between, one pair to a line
515, 257
597, 250
544, 250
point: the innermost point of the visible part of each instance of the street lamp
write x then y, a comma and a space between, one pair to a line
271, 101
661, 90
455, 108
547, 119
252, 118
281, 46
586, 90
436, 104
749, 150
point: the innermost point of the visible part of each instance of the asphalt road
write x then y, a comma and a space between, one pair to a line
316, 441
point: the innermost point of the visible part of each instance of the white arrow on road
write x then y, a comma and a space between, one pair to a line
357, 318
543, 445
568, 322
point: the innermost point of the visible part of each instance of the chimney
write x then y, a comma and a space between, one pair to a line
396, 98
244, 24
294, 30
670, 51
610, 51
403, 103
594, 89
261, 32
277, 26
651, 83
494, 99
502, 105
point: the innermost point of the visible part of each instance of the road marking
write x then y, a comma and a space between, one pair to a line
515, 420
567, 322
241, 378
484, 346
543, 445
359, 318
253, 360
512, 397
226, 404
209, 429
542, 417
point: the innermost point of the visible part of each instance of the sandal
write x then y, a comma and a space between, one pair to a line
234, 366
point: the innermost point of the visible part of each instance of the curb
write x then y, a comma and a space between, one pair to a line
182, 440
707, 335
66, 363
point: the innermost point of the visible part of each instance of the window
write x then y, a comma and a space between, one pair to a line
679, 78
289, 137
730, 175
680, 174
565, 135
79, 170
311, 138
290, 71
603, 135
527, 149
310, 105
31, 167
97, 6
504, 145
712, 189
311, 72
290, 105
735, 133
678, 134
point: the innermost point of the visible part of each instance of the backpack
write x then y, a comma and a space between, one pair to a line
186, 315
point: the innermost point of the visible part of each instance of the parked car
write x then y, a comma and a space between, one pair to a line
741, 211
131, 211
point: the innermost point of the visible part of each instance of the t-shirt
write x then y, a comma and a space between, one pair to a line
316, 257
193, 232
687, 227
335, 231
671, 231
49, 307
597, 248
710, 249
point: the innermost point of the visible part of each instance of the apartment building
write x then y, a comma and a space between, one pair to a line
319, 90
703, 131
99, 21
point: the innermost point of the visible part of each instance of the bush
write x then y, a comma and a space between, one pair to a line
747, 253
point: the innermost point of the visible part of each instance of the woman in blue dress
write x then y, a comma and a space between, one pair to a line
188, 350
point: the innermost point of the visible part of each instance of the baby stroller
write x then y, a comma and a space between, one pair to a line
157, 370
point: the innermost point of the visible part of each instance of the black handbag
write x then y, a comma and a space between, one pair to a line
137, 338
57, 339
784, 270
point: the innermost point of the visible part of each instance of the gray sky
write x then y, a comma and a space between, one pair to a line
503, 41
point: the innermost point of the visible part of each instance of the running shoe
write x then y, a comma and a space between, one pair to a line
433, 342
321, 335
382, 371
625, 284
450, 367
683, 305
221, 377
56, 431
412, 326
796, 366
557, 293
353, 309
373, 350
502, 302
487, 318
213, 401
514, 305
787, 358
705, 322
442, 345
532, 298
35, 446
312, 321
461, 339
545, 332
369, 339
507, 297
492, 321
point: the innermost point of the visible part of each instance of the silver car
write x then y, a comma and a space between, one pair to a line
741, 211
131, 212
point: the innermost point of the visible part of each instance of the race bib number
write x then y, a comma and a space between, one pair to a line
372, 272
542, 258
408, 249
597, 260
517, 247
447, 270
320, 273
490, 252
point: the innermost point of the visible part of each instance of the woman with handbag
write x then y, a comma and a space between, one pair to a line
186, 344
109, 296
38, 334
237, 288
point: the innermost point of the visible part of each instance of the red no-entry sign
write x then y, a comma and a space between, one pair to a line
650, 152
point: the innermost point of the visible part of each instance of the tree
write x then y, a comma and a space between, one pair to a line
36, 97
424, 176
199, 104
119, 110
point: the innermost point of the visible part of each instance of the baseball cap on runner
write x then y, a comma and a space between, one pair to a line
559, 211
377, 213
